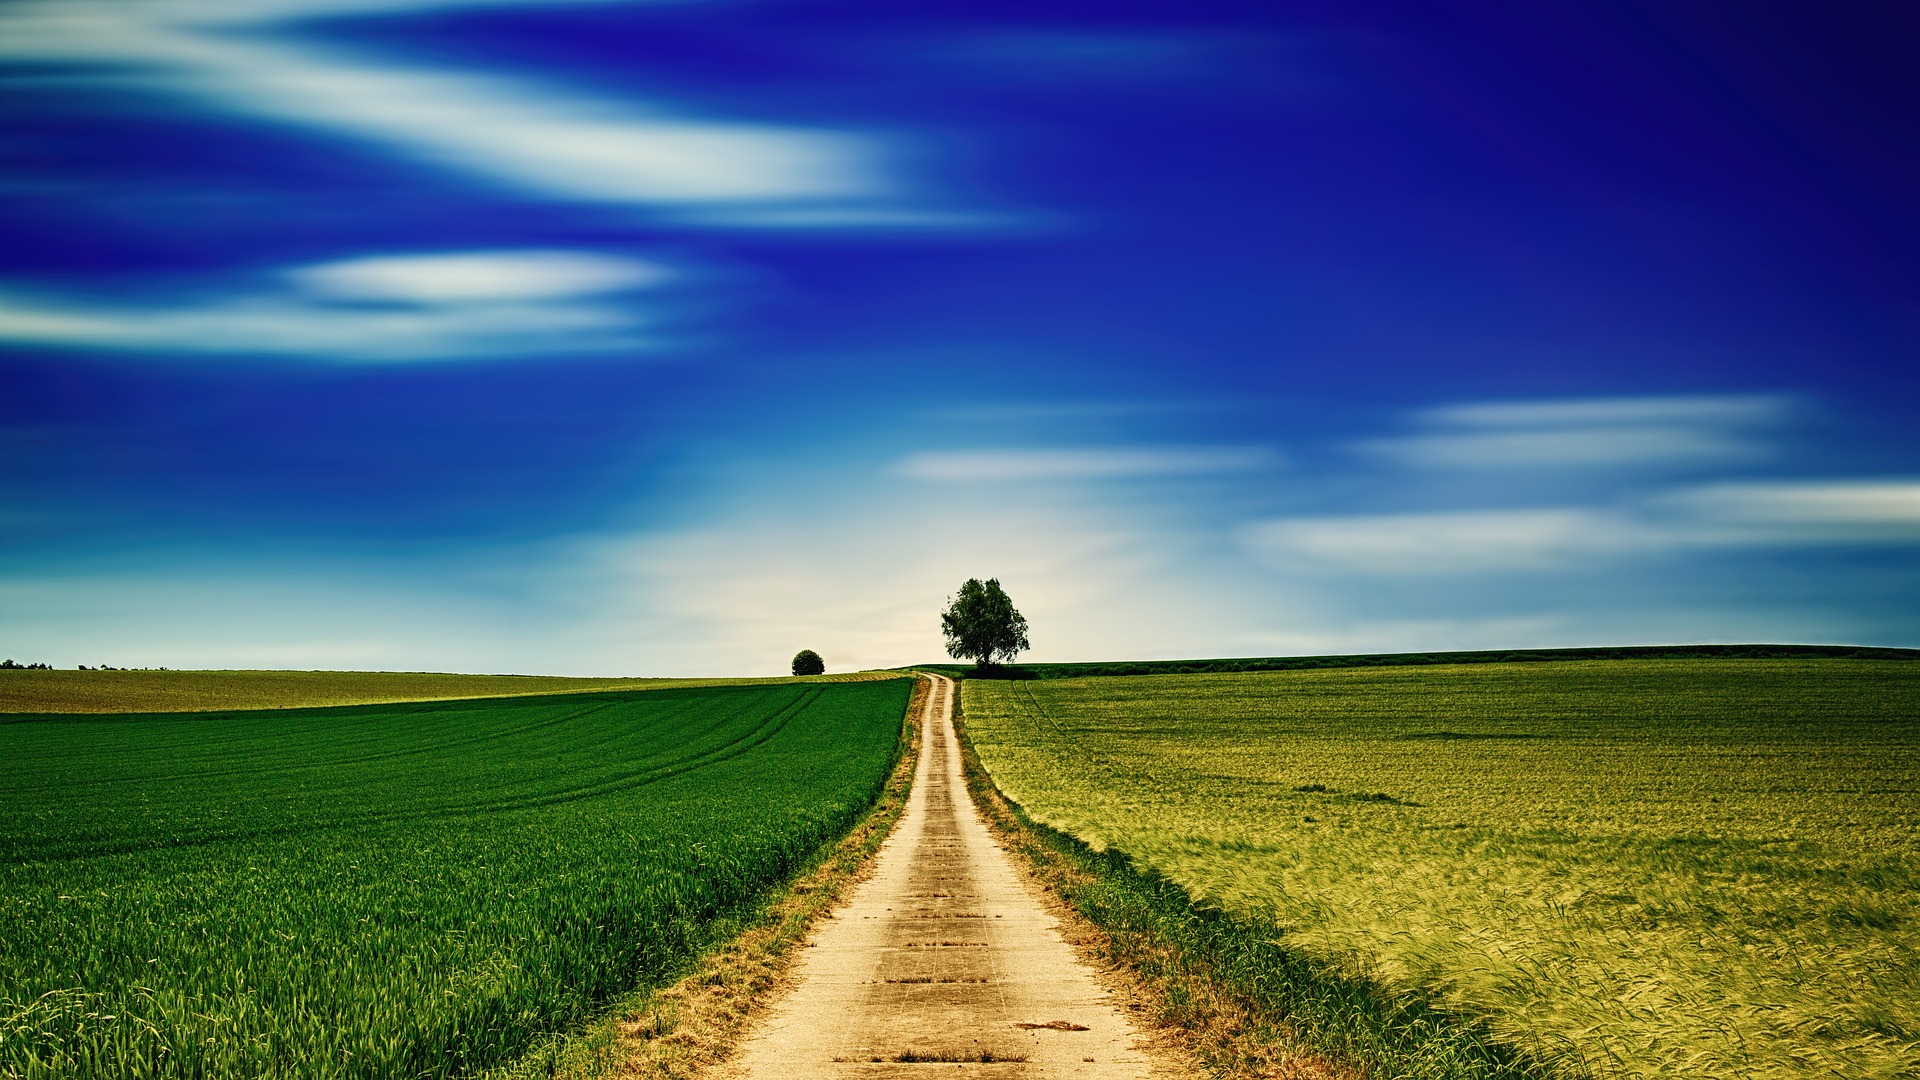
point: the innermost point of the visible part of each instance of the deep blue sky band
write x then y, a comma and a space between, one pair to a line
674, 337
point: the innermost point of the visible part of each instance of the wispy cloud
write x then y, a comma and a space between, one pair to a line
1710, 409
1100, 463
376, 308
1586, 432
1780, 514
1807, 511
477, 276
1464, 542
535, 139
241, 12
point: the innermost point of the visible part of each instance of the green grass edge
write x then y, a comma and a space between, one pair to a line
1281, 996
595, 1048
1101, 668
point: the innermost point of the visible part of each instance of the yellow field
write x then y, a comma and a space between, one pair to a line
40, 691
1662, 868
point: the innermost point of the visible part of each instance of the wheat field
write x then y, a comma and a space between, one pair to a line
1623, 868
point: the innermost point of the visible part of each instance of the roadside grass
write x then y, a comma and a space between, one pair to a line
1219, 665
1619, 868
122, 691
671, 1032
415, 890
1242, 1003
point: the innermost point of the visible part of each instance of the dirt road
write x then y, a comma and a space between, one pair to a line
944, 959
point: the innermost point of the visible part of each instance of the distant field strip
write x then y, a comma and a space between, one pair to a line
119, 691
410, 890
1645, 868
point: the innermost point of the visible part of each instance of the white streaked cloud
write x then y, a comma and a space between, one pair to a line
1461, 542
1613, 411
377, 308
1615, 431
1556, 449
277, 328
1813, 510
535, 139
476, 276
1780, 514
1094, 463
241, 12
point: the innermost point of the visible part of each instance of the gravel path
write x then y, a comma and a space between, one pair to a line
944, 962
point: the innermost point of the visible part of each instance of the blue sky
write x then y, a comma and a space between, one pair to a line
604, 337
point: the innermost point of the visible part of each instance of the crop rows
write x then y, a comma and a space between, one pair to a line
1624, 868
118, 690
395, 891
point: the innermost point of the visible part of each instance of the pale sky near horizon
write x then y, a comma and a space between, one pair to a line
669, 338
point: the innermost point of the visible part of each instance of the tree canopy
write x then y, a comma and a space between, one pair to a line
808, 662
981, 624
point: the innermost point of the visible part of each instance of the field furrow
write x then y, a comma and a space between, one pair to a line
410, 890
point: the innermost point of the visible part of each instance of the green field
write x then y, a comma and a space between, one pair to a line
395, 890
118, 691
1646, 868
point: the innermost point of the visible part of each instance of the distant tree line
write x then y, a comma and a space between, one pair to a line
1501, 656
9, 665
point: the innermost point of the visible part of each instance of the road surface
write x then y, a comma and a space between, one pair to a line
944, 962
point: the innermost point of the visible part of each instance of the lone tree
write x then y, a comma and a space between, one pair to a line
981, 624
808, 662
